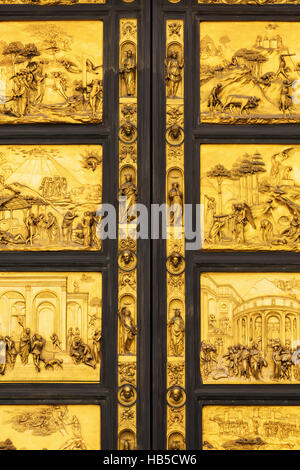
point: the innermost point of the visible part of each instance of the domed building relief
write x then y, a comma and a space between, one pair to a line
250, 328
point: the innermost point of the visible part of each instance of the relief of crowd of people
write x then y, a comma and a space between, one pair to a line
46, 79
47, 228
249, 362
262, 212
36, 346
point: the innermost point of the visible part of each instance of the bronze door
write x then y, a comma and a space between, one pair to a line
186, 340
225, 134
75, 318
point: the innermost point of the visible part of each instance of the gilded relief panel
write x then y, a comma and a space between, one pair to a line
49, 197
251, 428
250, 328
59, 427
249, 197
249, 72
50, 327
48, 74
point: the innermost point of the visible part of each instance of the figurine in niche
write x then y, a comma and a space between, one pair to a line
128, 330
127, 440
128, 190
173, 73
176, 202
177, 331
128, 72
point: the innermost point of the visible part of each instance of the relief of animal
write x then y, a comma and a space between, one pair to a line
242, 102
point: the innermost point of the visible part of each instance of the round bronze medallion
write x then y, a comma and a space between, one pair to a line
127, 260
128, 133
175, 264
175, 135
176, 397
127, 395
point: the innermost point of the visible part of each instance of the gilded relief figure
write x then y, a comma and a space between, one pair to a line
59, 427
177, 333
128, 72
249, 73
48, 75
49, 196
128, 331
50, 327
250, 334
174, 74
176, 202
251, 428
249, 196
128, 199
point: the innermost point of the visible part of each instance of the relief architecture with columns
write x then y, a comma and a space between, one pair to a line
50, 327
250, 328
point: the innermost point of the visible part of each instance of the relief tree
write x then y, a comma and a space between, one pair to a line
29, 51
219, 173
246, 171
259, 167
14, 50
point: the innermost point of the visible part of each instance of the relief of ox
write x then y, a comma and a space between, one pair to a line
243, 102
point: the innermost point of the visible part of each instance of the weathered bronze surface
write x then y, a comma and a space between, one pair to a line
249, 72
249, 197
50, 327
48, 74
49, 196
250, 328
251, 428
59, 427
